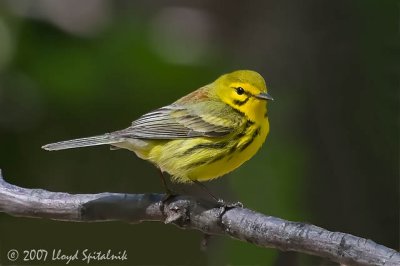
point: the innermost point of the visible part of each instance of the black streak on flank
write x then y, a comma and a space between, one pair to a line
253, 136
207, 161
248, 124
240, 135
195, 164
218, 145
237, 138
217, 158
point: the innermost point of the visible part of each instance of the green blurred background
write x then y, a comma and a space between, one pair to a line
78, 68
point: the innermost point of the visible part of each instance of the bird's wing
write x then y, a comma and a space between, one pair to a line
176, 121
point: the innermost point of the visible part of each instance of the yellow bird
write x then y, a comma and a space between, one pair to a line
203, 135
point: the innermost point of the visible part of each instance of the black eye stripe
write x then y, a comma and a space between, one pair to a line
241, 91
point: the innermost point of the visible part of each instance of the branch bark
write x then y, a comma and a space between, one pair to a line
191, 213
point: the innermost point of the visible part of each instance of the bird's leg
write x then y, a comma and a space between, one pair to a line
219, 201
168, 193
205, 189
164, 182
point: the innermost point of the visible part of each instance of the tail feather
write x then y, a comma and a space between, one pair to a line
83, 142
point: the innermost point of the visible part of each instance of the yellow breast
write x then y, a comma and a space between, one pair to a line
245, 148
204, 159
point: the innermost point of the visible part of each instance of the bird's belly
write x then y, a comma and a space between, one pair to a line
204, 159
230, 161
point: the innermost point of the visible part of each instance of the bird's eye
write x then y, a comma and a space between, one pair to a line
239, 90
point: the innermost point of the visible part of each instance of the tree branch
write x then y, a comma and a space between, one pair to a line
188, 212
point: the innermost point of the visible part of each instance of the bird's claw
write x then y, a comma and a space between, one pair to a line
224, 207
169, 195
230, 205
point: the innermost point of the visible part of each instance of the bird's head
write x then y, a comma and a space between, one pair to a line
245, 91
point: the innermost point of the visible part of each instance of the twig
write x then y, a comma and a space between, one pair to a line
191, 213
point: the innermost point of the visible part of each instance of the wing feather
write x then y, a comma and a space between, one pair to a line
184, 121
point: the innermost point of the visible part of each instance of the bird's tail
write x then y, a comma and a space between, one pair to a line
83, 142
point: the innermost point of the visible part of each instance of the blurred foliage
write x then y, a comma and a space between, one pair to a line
331, 158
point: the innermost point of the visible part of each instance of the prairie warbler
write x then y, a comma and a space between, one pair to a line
201, 136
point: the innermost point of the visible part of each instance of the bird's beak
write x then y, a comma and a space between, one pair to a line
264, 96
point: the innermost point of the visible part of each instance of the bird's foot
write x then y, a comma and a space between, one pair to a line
229, 205
169, 194
225, 206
